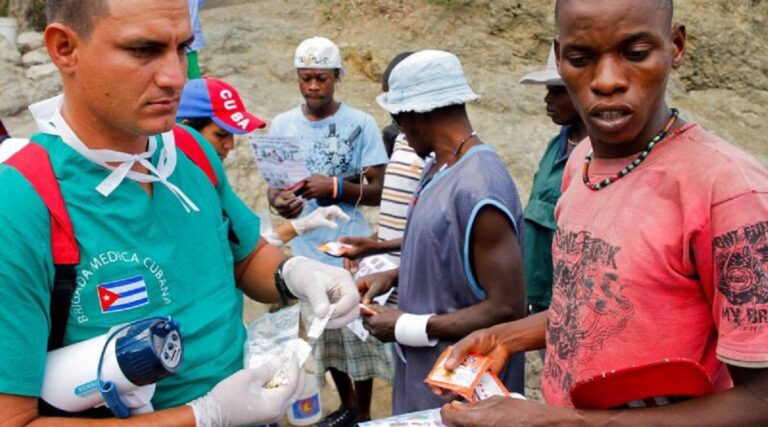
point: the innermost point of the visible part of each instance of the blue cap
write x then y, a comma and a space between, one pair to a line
219, 101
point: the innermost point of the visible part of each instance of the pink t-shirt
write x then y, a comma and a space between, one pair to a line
670, 261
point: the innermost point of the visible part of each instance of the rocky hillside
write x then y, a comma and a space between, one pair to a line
723, 84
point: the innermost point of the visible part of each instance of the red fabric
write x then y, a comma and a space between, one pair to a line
189, 146
614, 388
670, 261
33, 162
228, 108
106, 298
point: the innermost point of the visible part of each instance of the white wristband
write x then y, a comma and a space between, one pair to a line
411, 330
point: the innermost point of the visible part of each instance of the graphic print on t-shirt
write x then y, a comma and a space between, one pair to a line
588, 305
122, 294
331, 156
111, 278
741, 259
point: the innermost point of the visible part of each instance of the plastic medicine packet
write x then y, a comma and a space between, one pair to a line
274, 337
464, 378
472, 379
337, 249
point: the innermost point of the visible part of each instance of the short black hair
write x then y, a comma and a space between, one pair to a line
197, 123
391, 66
80, 15
665, 4
389, 136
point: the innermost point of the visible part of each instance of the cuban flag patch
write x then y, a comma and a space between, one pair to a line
123, 294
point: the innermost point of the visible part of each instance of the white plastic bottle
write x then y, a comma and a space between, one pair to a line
307, 409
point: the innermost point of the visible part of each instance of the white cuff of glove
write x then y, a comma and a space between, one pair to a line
272, 238
288, 267
207, 412
298, 227
411, 330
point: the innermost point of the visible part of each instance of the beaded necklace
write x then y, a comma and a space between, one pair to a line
635, 163
448, 163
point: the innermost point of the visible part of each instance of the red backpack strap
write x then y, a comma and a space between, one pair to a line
33, 162
188, 144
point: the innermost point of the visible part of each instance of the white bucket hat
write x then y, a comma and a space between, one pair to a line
425, 81
548, 76
319, 53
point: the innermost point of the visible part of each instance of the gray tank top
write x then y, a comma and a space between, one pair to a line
435, 274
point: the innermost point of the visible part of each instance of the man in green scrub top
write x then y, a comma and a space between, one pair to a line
540, 210
144, 217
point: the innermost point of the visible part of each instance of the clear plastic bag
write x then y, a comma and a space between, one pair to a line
275, 337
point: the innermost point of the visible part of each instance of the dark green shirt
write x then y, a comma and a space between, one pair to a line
540, 221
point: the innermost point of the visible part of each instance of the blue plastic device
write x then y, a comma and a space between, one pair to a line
147, 350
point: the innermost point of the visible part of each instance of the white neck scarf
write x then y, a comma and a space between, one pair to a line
48, 117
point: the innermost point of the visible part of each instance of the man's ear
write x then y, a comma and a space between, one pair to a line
679, 47
61, 41
556, 41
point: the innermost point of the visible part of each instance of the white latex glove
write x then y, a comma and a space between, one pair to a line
322, 284
321, 217
241, 398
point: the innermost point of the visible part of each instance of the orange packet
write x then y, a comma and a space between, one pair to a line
488, 386
461, 380
336, 249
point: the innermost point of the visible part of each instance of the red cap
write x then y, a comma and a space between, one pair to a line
217, 99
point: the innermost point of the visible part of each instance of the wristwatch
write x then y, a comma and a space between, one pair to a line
282, 288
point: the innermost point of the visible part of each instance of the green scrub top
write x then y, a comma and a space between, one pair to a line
141, 255
540, 221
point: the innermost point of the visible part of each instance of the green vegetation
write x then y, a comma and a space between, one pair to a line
30, 14
35, 16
